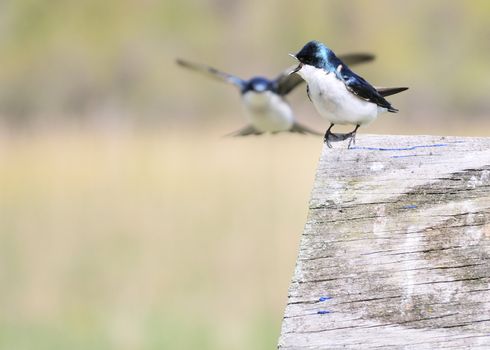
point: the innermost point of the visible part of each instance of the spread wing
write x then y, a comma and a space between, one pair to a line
356, 58
212, 73
301, 129
245, 131
250, 130
286, 81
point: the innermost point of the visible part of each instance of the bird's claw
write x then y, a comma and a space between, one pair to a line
352, 135
352, 141
331, 137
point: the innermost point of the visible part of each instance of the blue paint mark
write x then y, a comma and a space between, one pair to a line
412, 206
405, 156
405, 148
323, 312
324, 298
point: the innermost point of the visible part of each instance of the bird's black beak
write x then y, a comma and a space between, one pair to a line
300, 65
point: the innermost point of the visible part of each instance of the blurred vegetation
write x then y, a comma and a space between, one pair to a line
126, 220
115, 59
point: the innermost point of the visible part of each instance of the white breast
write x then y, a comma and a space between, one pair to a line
267, 111
334, 102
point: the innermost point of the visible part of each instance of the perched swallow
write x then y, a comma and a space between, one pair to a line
264, 99
338, 94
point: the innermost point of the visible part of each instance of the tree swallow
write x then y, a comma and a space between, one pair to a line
264, 99
338, 94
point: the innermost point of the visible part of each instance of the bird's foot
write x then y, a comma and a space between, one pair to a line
352, 135
331, 137
326, 140
352, 141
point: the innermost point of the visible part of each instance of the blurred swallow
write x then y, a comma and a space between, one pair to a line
338, 94
264, 99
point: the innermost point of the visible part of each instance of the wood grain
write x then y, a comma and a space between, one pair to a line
395, 253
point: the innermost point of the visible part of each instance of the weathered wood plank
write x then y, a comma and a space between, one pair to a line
396, 249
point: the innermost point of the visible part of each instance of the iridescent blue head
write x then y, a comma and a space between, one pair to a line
316, 54
258, 84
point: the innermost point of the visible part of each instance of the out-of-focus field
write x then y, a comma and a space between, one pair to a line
131, 240
134, 239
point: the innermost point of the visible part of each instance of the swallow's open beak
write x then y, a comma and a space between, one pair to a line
300, 65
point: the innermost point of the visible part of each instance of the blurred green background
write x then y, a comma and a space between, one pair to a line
126, 220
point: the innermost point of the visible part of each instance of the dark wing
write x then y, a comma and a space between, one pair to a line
301, 129
286, 81
212, 73
356, 58
383, 91
245, 131
250, 130
361, 88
